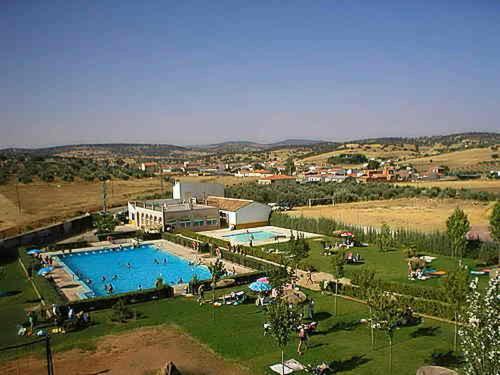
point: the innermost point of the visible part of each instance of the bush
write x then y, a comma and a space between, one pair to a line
121, 312
488, 253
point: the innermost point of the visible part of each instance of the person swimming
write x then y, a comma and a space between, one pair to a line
110, 288
180, 281
115, 277
140, 287
156, 261
129, 266
164, 260
103, 278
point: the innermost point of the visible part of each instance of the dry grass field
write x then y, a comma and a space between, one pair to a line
473, 159
416, 213
43, 203
226, 180
490, 186
373, 151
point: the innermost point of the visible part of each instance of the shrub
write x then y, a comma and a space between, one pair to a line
121, 312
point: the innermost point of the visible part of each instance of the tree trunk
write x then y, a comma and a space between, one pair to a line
336, 292
455, 333
282, 362
371, 328
390, 355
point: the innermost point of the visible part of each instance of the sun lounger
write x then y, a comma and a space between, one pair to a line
437, 273
280, 369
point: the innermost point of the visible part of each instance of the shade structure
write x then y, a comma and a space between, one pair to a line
34, 251
295, 297
259, 286
45, 270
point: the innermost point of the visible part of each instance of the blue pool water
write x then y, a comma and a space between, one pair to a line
261, 235
143, 269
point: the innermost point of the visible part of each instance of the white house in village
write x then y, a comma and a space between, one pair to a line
240, 213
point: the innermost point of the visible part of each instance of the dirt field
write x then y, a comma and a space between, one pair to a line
459, 160
43, 203
417, 213
491, 186
139, 352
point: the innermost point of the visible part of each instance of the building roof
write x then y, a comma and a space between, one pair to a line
228, 204
278, 177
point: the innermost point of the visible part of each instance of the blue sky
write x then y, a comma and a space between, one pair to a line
193, 72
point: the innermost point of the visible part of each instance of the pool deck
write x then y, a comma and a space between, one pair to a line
283, 233
73, 288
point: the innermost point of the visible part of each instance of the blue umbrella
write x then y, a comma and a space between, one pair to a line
45, 270
34, 251
259, 286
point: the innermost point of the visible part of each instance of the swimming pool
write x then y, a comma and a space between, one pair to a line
129, 269
260, 235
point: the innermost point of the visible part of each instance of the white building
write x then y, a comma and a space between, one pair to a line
240, 213
185, 191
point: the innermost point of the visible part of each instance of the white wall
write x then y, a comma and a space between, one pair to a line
253, 213
199, 190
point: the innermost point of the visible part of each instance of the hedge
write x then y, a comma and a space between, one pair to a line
420, 305
106, 302
241, 259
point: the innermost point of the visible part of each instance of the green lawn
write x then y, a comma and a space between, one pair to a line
12, 308
237, 334
390, 266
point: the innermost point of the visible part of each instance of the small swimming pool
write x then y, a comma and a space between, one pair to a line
260, 235
129, 269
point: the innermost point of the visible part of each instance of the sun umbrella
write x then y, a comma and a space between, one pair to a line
45, 270
259, 286
263, 280
34, 251
295, 297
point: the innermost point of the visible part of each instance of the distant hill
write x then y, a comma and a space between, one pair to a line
249, 146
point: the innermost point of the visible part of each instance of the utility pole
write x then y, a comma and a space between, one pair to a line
18, 197
161, 179
104, 196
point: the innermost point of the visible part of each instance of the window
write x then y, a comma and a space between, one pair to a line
132, 216
185, 223
211, 221
198, 223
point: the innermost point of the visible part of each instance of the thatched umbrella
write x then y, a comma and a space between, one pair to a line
294, 297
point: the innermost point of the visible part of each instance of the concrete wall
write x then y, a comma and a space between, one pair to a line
199, 190
46, 235
252, 215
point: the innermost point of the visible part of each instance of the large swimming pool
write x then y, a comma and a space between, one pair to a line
259, 235
130, 269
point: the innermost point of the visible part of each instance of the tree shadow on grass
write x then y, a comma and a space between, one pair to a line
340, 326
9, 293
322, 315
348, 364
425, 331
446, 359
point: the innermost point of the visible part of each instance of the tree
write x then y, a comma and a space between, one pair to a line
457, 227
290, 166
373, 164
217, 270
455, 288
495, 222
367, 283
283, 320
384, 239
105, 223
481, 333
280, 276
338, 261
387, 317
298, 249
